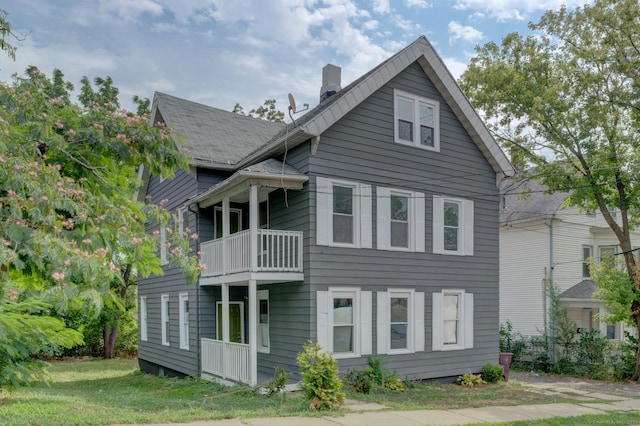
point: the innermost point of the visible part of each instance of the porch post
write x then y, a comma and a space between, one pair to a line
253, 227
225, 234
253, 333
225, 312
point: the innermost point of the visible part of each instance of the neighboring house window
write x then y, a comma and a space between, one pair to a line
606, 253
344, 322
587, 252
184, 320
400, 220
182, 219
452, 320
452, 226
263, 321
163, 245
235, 221
164, 317
143, 318
343, 213
400, 321
417, 120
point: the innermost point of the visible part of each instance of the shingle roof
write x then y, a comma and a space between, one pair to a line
527, 199
214, 137
583, 290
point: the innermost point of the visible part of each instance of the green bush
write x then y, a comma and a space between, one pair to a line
492, 373
374, 378
470, 380
511, 341
320, 380
277, 384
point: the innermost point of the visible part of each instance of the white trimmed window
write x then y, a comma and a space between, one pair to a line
163, 245
344, 322
235, 221
400, 220
452, 226
143, 318
263, 321
452, 320
400, 321
607, 253
587, 252
164, 317
184, 320
417, 120
343, 211
182, 219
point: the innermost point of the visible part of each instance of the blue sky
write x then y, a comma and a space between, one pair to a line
219, 52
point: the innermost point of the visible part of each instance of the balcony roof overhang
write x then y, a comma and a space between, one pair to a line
271, 174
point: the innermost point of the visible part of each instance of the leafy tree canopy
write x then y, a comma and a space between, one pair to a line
267, 111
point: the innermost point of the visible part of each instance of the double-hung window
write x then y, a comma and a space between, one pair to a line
164, 316
182, 220
343, 211
344, 322
587, 252
452, 320
400, 220
452, 226
143, 318
184, 320
263, 321
417, 120
400, 321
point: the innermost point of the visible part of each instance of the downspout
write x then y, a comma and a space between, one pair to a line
550, 282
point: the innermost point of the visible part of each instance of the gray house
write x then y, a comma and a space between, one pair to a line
370, 225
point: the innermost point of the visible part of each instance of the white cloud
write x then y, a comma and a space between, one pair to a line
455, 66
417, 3
505, 10
463, 32
381, 6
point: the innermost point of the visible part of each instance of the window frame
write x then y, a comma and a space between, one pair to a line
416, 101
144, 321
232, 210
184, 319
163, 246
465, 226
165, 319
416, 219
465, 333
262, 295
585, 265
182, 219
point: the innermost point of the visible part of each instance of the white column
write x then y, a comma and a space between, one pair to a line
253, 227
225, 312
225, 234
253, 333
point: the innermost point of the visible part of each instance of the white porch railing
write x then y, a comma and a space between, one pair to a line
277, 251
227, 360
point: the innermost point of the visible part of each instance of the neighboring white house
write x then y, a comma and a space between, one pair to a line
542, 240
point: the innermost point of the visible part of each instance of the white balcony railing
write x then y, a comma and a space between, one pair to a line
277, 251
227, 360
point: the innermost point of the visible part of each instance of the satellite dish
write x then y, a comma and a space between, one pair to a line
292, 103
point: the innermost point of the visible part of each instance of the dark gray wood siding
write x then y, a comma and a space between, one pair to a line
360, 147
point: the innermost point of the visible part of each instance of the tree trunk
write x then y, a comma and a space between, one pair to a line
109, 334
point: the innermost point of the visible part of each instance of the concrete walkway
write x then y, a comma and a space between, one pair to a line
594, 398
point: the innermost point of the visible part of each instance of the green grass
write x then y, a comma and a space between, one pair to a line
98, 392
611, 418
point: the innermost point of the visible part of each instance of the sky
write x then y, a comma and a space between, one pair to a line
219, 52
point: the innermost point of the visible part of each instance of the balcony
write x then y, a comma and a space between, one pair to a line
276, 252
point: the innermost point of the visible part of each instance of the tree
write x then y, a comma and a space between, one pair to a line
567, 99
72, 231
267, 111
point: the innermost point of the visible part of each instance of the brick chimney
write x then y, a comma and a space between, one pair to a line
330, 81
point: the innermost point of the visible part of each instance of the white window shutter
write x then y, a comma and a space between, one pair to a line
418, 318
436, 334
323, 210
365, 215
438, 224
468, 320
418, 202
468, 227
366, 327
382, 322
383, 220
322, 307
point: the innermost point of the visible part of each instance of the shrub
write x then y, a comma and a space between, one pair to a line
277, 384
511, 341
470, 380
492, 373
374, 377
320, 380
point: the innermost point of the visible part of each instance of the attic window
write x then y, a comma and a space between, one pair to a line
417, 121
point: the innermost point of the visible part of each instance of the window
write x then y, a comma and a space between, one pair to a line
452, 226
263, 321
452, 320
163, 245
236, 321
143, 318
263, 215
343, 213
344, 322
183, 219
587, 252
164, 314
400, 220
235, 221
416, 121
400, 321
184, 320
606, 253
